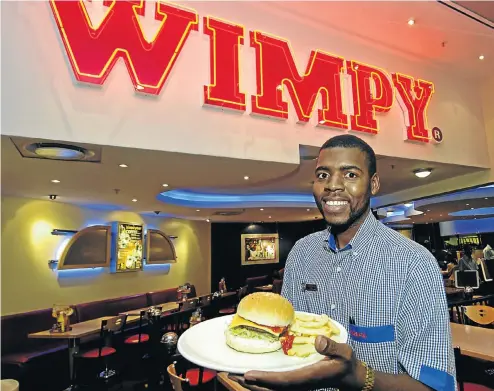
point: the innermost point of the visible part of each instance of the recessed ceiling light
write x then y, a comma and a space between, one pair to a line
411, 22
55, 181
428, 210
123, 165
207, 220
441, 215
308, 210
481, 57
134, 200
423, 172
468, 204
246, 178
269, 217
471, 208
198, 210
165, 185
486, 198
261, 209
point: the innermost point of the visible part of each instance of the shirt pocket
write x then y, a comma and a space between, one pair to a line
375, 345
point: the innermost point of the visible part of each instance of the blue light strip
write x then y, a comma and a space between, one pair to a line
474, 212
189, 198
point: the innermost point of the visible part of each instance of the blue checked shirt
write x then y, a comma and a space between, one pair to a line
387, 291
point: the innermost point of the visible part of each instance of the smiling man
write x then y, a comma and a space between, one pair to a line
384, 288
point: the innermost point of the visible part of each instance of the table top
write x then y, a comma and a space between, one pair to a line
79, 330
230, 385
474, 341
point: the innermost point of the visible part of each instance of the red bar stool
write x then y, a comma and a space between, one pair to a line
86, 362
140, 337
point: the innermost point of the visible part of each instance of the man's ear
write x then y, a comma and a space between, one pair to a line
375, 184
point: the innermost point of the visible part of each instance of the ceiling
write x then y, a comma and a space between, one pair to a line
105, 185
383, 24
484, 9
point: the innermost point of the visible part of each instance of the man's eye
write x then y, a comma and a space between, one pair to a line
321, 175
351, 175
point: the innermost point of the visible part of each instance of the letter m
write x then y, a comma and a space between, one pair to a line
93, 49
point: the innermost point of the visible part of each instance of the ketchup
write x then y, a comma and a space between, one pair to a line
287, 343
277, 330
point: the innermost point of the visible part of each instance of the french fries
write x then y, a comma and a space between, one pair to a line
303, 332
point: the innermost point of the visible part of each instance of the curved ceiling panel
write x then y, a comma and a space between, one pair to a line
190, 198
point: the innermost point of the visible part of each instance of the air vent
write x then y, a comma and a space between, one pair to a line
229, 212
56, 150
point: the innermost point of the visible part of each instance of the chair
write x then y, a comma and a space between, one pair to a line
140, 337
109, 327
184, 376
242, 292
480, 314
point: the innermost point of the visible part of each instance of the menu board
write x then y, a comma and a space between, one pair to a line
129, 247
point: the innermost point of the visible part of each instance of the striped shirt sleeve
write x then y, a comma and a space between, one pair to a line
424, 337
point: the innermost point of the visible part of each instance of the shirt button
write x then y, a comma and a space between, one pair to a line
333, 306
338, 269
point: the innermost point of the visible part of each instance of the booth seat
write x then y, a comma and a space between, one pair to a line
26, 359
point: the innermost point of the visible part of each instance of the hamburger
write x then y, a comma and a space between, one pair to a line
261, 319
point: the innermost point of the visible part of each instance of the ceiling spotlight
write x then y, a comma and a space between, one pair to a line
468, 204
165, 185
428, 210
481, 57
207, 220
55, 181
411, 22
269, 217
246, 178
471, 208
134, 199
423, 172
308, 210
123, 165
198, 210
486, 198
53, 196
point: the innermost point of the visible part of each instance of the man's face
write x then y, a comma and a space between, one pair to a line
343, 186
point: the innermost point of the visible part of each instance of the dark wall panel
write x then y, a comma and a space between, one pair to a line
226, 248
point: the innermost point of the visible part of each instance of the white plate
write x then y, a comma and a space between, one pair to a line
205, 345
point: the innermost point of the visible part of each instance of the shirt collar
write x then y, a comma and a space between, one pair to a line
363, 236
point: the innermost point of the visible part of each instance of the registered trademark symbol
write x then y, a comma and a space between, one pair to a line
437, 134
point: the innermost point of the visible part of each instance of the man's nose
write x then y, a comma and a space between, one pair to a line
334, 183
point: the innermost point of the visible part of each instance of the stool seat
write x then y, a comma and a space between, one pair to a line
9, 385
193, 376
94, 353
133, 339
227, 311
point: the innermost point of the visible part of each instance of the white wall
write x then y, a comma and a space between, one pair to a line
41, 99
27, 246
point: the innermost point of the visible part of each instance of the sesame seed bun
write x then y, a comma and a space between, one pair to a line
266, 308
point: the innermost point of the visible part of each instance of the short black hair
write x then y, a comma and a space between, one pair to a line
350, 141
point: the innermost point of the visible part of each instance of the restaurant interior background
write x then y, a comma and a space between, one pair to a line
204, 174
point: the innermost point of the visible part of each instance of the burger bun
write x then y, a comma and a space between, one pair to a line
249, 345
267, 309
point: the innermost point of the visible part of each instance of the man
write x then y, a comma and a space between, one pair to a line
384, 288
466, 261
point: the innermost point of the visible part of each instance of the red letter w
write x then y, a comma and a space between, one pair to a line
93, 50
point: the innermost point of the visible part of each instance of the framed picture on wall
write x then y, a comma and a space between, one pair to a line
258, 249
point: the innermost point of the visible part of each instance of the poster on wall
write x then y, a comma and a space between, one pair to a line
258, 249
128, 247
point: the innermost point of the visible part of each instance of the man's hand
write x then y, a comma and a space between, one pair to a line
339, 369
